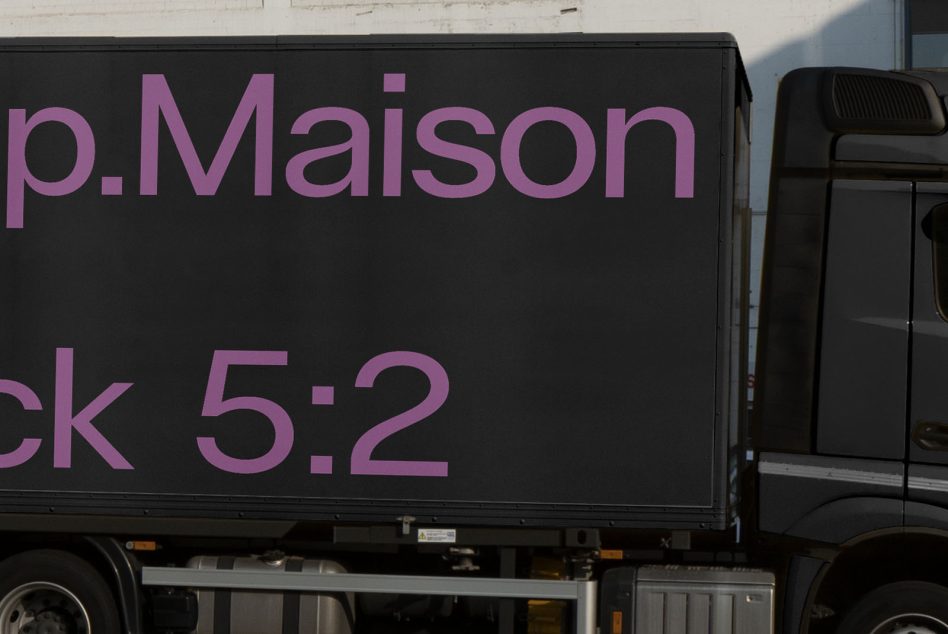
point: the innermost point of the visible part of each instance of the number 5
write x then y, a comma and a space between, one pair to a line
215, 405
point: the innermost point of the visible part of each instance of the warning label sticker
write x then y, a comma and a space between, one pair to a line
437, 535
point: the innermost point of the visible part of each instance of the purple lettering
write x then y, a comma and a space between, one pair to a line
358, 146
257, 103
111, 186
66, 422
617, 129
392, 144
18, 173
480, 161
158, 100
215, 404
362, 462
30, 402
585, 152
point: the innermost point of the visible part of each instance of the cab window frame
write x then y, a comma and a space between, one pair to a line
926, 34
939, 236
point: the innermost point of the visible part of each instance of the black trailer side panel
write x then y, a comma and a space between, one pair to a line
428, 294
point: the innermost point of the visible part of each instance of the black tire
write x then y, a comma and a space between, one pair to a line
907, 606
45, 589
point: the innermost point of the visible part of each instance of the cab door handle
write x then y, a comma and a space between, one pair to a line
931, 435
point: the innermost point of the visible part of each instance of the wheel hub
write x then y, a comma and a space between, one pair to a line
912, 624
42, 608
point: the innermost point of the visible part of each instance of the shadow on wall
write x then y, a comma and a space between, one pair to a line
868, 34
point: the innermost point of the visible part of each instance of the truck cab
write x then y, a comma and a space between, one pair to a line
851, 406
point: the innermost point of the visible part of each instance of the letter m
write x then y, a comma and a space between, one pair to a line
158, 100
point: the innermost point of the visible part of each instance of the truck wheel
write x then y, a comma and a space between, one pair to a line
906, 607
55, 592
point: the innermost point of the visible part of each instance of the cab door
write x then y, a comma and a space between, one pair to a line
928, 406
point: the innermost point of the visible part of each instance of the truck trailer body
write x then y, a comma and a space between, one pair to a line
402, 334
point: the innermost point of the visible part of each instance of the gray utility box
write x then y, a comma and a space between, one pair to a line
247, 612
687, 600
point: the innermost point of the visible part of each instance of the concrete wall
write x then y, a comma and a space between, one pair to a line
775, 35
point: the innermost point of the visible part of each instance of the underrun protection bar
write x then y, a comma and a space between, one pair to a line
582, 593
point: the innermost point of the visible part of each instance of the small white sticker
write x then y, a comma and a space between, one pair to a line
437, 535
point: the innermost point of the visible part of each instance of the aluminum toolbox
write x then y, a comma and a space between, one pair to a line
687, 600
245, 612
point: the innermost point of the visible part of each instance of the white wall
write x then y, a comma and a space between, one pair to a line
775, 35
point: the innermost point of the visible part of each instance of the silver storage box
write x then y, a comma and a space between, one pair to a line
271, 612
687, 600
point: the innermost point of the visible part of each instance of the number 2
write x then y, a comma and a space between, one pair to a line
362, 462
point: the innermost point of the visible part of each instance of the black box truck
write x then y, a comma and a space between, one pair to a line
448, 334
